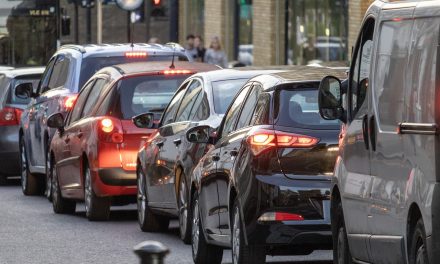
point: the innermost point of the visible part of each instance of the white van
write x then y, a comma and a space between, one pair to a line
386, 192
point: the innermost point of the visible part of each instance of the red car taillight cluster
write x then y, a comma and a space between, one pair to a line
10, 116
110, 130
69, 102
262, 139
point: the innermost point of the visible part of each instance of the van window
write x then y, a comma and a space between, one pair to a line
360, 71
391, 64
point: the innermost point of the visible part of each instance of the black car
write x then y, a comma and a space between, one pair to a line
66, 73
264, 186
166, 163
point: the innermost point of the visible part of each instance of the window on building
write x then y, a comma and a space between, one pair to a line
317, 31
195, 17
244, 43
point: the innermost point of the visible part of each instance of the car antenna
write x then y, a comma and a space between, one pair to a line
172, 61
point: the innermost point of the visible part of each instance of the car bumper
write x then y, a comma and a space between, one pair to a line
306, 197
115, 182
9, 151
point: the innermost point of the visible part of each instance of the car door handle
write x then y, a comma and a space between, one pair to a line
372, 131
159, 144
233, 152
215, 158
177, 141
365, 131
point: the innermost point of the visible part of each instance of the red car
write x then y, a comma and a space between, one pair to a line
93, 153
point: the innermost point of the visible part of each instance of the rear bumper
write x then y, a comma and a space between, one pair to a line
9, 151
115, 182
309, 198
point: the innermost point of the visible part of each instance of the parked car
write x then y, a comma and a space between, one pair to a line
264, 185
165, 165
93, 154
67, 71
11, 108
385, 189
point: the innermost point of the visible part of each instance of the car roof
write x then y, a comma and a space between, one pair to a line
151, 49
158, 66
299, 74
23, 71
231, 74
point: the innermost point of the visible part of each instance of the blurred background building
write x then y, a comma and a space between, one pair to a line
252, 32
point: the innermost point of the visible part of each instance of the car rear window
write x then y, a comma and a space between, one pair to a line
91, 65
12, 99
224, 92
147, 93
299, 108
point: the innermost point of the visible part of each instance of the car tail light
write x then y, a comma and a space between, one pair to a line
263, 139
110, 130
10, 116
280, 217
69, 101
136, 54
175, 72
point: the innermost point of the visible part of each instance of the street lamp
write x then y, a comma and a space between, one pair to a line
129, 5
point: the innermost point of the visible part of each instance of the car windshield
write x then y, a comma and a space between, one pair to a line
224, 92
299, 108
144, 94
91, 65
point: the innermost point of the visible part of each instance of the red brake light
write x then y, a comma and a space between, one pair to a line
174, 72
279, 217
69, 102
10, 116
136, 54
110, 131
261, 140
107, 125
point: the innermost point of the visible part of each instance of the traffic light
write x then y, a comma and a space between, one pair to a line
157, 8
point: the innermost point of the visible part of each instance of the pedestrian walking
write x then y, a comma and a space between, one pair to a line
215, 54
190, 48
198, 44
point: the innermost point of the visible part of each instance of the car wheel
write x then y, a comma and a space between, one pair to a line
418, 253
341, 249
97, 208
29, 182
185, 214
148, 221
242, 253
49, 172
60, 205
202, 252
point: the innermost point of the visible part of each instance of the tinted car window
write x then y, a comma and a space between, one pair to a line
299, 108
82, 97
233, 112
60, 72
200, 111
147, 93
192, 94
224, 92
93, 97
248, 108
261, 114
91, 65
46, 76
172, 107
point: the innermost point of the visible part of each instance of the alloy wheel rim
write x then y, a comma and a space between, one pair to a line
236, 238
141, 201
88, 190
420, 254
195, 229
341, 246
24, 168
183, 211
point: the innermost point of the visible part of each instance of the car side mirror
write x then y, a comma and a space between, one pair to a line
330, 99
145, 120
201, 134
24, 90
56, 121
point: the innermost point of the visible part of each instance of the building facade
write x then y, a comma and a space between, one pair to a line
274, 32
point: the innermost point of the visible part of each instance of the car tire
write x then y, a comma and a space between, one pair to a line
418, 253
49, 172
60, 205
202, 252
29, 182
185, 214
341, 249
242, 253
148, 220
97, 208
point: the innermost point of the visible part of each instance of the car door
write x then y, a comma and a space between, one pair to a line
232, 152
158, 172
390, 167
30, 128
45, 107
176, 136
354, 169
67, 162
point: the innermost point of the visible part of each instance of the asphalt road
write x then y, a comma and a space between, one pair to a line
31, 233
